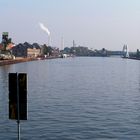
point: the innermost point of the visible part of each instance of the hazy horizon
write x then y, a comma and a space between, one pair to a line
91, 23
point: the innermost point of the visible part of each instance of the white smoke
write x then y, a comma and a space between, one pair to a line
44, 28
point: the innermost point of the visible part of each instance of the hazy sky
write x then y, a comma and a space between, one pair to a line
92, 23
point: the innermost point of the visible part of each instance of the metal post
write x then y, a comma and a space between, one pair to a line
18, 125
18, 115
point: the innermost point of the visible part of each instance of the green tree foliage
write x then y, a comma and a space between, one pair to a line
84, 51
47, 49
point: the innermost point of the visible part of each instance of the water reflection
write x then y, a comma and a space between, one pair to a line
139, 76
3, 71
4, 91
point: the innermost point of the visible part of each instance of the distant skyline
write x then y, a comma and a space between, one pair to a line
95, 24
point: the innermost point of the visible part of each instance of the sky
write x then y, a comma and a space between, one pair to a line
95, 24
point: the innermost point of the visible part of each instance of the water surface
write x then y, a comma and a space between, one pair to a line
76, 99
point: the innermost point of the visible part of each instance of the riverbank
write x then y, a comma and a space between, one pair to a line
135, 58
14, 61
21, 60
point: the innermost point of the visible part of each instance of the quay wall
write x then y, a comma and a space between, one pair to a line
20, 60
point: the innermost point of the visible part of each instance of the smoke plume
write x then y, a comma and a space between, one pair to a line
44, 28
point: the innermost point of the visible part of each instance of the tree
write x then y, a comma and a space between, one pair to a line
47, 50
138, 53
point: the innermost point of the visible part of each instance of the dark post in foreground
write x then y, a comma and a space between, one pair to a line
18, 98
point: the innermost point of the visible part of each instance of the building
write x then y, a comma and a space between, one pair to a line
33, 52
26, 50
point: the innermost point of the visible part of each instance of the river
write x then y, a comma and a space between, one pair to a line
81, 98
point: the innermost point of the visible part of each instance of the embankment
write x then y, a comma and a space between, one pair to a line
14, 61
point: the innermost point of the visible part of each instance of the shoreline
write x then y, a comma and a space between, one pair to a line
15, 61
21, 60
134, 58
